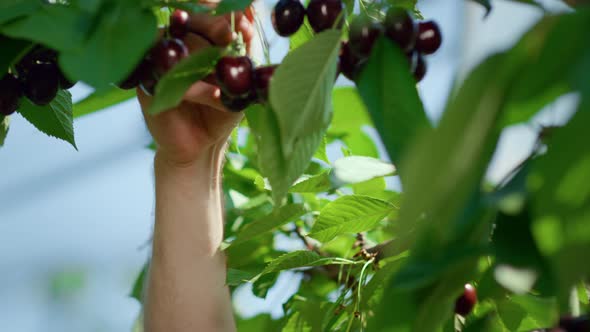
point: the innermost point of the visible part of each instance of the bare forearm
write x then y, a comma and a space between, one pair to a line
186, 288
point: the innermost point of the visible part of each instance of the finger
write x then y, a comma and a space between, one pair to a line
246, 28
205, 94
214, 28
195, 42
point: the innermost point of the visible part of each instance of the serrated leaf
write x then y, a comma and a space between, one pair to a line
281, 172
176, 82
349, 214
321, 153
266, 224
55, 119
104, 58
191, 7
297, 259
389, 91
301, 90
312, 184
355, 169
4, 127
98, 101
228, 6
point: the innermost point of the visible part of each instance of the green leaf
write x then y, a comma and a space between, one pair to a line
98, 101
298, 259
312, 184
300, 93
296, 323
104, 59
12, 51
194, 8
11, 9
268, 223
177, 81
486, 4
349, 214
238, 277
302, 36
55, 119
561, 202
4, 127
138, 286
389, 91
263, 284
321, 153
357, 169
57, 26
228, 6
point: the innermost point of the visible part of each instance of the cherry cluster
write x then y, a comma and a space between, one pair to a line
241, 84
288, 15
37, 77
164, 55
415, 39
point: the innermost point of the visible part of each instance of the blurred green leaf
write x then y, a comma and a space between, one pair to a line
12, 50
349, 214
55, 119
11, 9
173, 86
312, 184
4, 127
302, 36
121, 36
138, 285
389, 90
356, 169
261, 286
228, 6
298, 259
237, 277
59, 27
98, 101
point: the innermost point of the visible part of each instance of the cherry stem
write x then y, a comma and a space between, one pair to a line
263, 41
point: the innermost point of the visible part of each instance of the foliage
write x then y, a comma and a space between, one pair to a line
372, 258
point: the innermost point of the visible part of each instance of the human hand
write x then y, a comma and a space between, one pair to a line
200, 125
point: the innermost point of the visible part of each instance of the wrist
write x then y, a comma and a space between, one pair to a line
206, 167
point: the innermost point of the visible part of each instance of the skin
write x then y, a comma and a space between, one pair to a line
186, 288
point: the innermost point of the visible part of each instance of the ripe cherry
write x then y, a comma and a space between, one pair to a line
10, 93
287, 17
166, 54
143, 70
348, 63
465, 303
429, 37
42, 83
179, 23
420, 68
323, 14
262, 78
237, 104
400, 28
575, 324
235, 75
363, 34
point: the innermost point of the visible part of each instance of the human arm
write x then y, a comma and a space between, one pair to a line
186, 281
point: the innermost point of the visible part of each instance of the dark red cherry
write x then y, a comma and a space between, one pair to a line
239, 103
575, 324
323, 14
10, 93
429, 37
143, 70
235, 75
287, 17
420, 68
262, 78
465, 303
400, 28
41, 83
362, 36
166, 54
348, 63
179, 24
